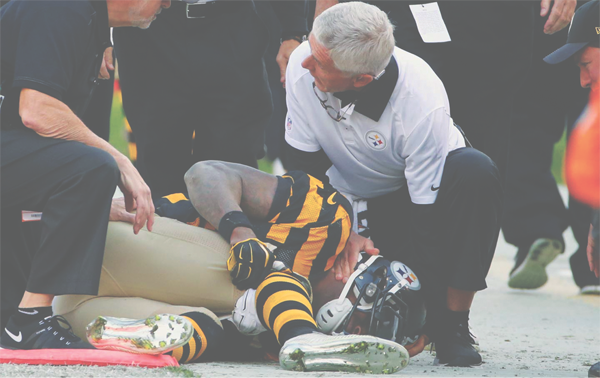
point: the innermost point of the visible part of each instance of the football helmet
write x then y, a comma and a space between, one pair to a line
388, 292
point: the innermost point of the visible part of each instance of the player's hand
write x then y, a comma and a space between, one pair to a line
249, 263
137, 195
560, 15
119, 213
283, 57
593, 253
346, 261
107, 64
418, 346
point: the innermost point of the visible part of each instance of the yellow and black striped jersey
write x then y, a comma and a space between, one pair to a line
309, 222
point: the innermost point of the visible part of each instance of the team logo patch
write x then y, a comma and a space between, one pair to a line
288, 124
405, 275
375, 140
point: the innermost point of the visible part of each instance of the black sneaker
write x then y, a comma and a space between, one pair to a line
594, 370
48, 333
456, 348
529, 271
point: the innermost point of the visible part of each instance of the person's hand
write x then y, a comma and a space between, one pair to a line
118, 212
347, 259
418, 346
249, 262
137, 195
285, 50
560, 15
593, 253
107, 64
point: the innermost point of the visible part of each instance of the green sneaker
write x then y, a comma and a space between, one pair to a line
348, 353
154, 335
530, 273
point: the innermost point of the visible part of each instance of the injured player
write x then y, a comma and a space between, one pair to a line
181, 269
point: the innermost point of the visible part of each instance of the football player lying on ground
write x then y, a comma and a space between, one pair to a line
306, 221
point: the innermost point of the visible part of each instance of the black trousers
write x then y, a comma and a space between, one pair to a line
455, 244
550, 100
72, 185
202, 76
481, 67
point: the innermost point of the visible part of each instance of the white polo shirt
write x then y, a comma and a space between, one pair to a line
399, 131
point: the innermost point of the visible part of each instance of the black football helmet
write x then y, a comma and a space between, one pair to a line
388, 292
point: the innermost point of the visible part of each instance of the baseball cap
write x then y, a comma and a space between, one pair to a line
584, 30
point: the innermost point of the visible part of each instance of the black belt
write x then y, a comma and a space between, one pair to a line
211, 8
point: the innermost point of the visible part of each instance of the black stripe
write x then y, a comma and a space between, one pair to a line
282, 193
334, 234
285, 306
295, 328
299, 192
186, 352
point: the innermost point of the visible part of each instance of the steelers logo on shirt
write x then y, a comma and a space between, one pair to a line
375, 140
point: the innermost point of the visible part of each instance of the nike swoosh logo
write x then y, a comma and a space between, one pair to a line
330, 199
29, 313
13, 336
433, 188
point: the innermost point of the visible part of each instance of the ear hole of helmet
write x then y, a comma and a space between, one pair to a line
333, 314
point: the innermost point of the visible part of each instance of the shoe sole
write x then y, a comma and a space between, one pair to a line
154, 335
362, 354
590, 290
531, 274
456, 363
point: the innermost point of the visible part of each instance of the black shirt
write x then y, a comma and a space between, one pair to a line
54, 47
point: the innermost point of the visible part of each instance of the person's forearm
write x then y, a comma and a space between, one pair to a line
214, 190
322, 5
51, 118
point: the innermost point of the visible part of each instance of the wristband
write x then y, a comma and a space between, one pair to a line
231, 221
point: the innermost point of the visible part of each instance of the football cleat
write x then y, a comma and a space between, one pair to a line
530, 273
157, 334
346, 353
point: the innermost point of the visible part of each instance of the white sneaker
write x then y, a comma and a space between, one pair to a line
590, 290
244, 315
349, 353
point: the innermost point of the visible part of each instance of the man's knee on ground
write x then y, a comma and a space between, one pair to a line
476, 169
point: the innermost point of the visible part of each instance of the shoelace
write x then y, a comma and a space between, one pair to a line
54, 323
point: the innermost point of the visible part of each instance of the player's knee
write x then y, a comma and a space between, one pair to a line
202, 169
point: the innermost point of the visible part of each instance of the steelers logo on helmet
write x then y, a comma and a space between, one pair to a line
405, 275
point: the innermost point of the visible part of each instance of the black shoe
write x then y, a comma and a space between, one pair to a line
594, 370
456, 348
45, 334
529, 271
587, 281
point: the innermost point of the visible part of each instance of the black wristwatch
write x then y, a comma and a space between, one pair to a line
296, 36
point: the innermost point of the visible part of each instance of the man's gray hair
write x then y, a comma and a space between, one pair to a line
359, 37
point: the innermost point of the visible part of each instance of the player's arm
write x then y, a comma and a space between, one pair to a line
227, 195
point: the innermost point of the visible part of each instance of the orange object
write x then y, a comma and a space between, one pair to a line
88, 357
582, 161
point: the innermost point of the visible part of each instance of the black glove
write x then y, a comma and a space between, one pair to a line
249, 262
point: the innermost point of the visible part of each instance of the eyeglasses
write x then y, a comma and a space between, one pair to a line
335, 115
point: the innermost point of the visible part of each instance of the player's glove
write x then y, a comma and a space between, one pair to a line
249, 262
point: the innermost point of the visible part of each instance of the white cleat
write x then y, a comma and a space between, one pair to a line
154, 335
348, 353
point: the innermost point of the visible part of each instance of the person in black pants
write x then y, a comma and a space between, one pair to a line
58, 177
535, 216
195, 86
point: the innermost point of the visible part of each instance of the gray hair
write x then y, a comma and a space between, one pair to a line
359, 37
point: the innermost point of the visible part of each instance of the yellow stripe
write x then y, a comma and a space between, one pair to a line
177, 353
192, 345
280, 297
202, 337
288, 316
310, 250
176, 197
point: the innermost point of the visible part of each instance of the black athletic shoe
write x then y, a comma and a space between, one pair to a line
457, 348
594, 370
45, 334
